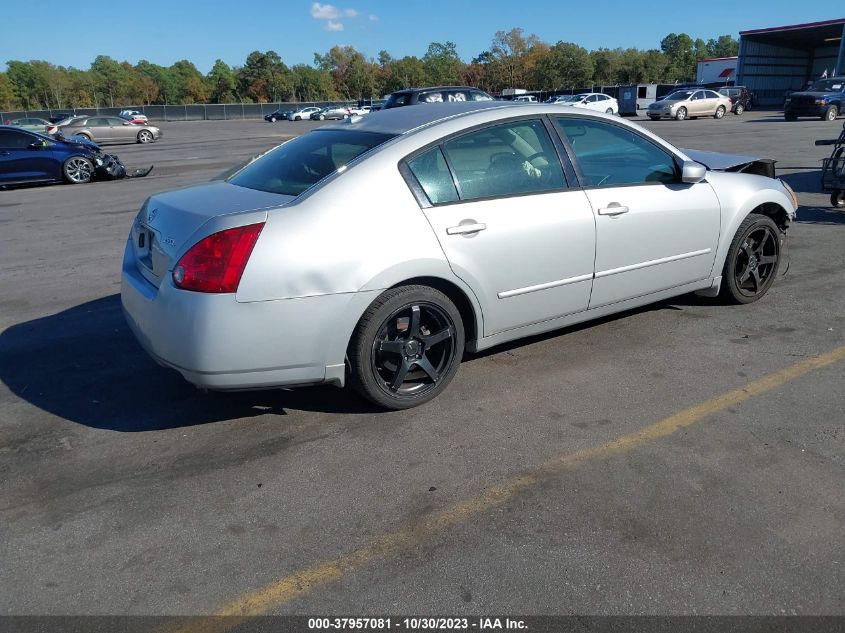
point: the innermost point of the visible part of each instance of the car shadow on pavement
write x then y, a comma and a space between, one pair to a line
804, 181
84, 365
820, 215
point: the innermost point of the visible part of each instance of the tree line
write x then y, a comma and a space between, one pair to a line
514, 60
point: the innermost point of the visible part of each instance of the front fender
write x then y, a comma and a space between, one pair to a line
739, 195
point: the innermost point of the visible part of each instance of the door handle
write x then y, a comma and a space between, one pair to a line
614, 208
462, 229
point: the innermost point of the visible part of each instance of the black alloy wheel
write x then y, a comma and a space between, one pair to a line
753, 259
407, 347
837, 199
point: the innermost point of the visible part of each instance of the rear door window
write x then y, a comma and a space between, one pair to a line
433, 174
507, 159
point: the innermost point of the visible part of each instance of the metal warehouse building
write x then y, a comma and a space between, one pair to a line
773, 62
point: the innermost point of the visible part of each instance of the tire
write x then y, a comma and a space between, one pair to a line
739, 109
272, 119
78, 170
837, 199
145, 136
831, 113
753, 259
83, 135
322, 117
385, 354
297, 118
654, 118
720, 112
681, 114
790, 117
609, 111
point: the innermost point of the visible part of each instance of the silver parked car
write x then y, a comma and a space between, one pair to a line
378, 250
108, 129
687, 104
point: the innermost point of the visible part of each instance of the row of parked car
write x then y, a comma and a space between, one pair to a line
315, 113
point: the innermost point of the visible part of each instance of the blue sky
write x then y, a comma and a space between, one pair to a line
166, 31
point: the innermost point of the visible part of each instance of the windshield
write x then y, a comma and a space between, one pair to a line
302, 162
828, 85
679, 95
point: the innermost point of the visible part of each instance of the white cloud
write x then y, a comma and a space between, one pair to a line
350, 13
331, 25
324, 11
373, 18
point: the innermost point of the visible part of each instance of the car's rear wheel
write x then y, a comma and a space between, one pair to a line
753, 258
831, 113
739, 109
720, 112
681, 114
78, 170
145, 136
609, 111
84, 135
790, 117
272, 119
837, 199
407, 347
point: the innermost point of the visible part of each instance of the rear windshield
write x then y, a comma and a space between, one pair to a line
828, 85
298, 164
397, 99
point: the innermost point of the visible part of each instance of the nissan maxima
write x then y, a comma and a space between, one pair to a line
377, 251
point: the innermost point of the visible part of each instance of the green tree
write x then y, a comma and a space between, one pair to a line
8, 101
681, 52
221, 82
510, 56
724, 46
190, 83
311, 84
110, 79
566, 66
406, 72
442, 64
354, 77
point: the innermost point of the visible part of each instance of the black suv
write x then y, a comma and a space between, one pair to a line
824, 99
740, 96
434, 94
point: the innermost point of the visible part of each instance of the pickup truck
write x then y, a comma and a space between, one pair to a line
824, 99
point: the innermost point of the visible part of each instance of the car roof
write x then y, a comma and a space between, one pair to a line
427, 88
398, 121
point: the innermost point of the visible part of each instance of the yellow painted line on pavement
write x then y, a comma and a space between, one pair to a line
306, 580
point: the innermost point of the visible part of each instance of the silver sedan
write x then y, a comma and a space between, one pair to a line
108, 129
377, 251
688, 104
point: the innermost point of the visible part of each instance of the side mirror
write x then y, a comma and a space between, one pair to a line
38, 145
692, 172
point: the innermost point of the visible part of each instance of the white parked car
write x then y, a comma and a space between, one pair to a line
526, 99
360, 111
303, 114
133, 115
375, 251
597, 101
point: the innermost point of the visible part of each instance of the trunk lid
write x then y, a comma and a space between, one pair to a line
168, 220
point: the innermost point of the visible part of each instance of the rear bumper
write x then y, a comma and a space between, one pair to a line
218, 343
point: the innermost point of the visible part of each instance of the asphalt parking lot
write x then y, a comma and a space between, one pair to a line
685, 458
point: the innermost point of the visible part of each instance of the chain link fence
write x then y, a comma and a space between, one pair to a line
195, 112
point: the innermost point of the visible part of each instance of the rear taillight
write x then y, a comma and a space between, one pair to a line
217, 262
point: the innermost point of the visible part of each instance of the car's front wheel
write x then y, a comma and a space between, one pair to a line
407, 347
272, 119
681, 114
739, 109
78, 170
837, 199
753, 258
145, 136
